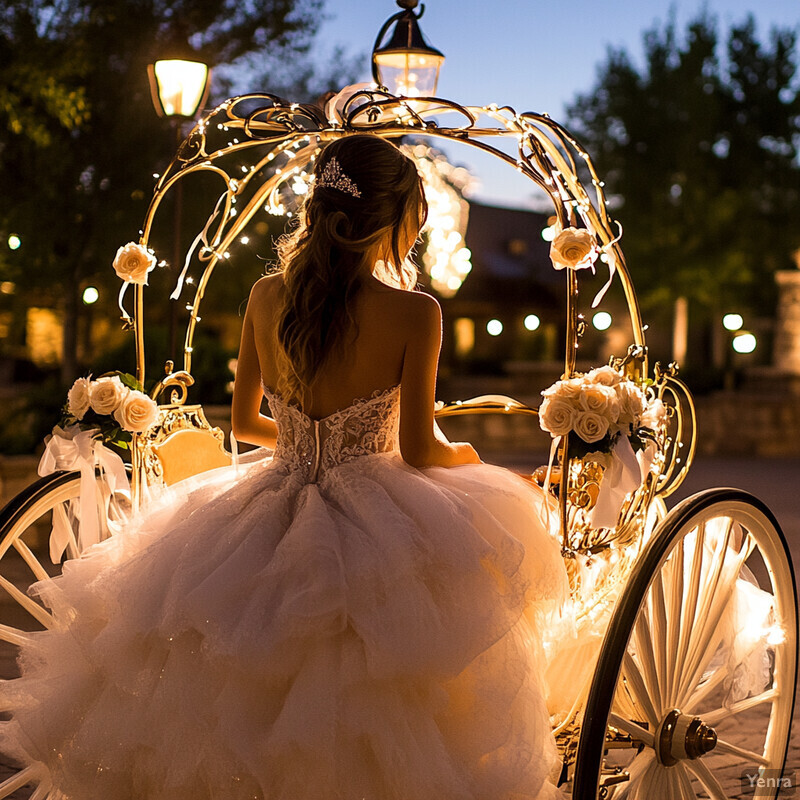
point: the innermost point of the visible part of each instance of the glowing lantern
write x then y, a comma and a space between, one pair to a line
406, 64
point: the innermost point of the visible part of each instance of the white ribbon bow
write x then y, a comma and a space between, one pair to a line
621, 477
75, 449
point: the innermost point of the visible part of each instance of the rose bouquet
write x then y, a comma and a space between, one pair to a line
607, 418
596, 409
100, 412
113, 405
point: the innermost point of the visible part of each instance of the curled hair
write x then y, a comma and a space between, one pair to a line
325, 259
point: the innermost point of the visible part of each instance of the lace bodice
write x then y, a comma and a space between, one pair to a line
368, 425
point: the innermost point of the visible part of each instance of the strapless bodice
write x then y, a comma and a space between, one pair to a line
367, 426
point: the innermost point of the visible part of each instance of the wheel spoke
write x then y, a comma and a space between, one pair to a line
42, 792
684, 783
658, 611
674, 619
22, 778
710, 635
732, 749
13, 636
40, 614
638, 770
705, 688
630, 727
690, 606
715, 598
672, 784
716, 716
637, 688
645, 655
703, 774
30, 559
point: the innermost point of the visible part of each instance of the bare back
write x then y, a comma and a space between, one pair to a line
372, 355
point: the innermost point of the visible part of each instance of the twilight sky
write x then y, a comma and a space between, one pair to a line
531, 55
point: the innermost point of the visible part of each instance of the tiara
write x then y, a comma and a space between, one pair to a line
334, 178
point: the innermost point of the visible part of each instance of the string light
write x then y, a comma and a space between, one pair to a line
446, 259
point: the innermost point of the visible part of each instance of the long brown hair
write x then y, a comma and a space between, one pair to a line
324, 259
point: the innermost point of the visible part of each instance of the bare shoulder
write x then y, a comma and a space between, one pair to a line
413, 311
267, 287
265, 292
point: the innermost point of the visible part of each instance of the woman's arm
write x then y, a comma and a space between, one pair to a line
247, 421
419, 444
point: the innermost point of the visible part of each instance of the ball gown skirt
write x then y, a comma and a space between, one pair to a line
328, 624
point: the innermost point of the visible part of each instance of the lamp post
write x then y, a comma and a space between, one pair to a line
179, 85
406, 64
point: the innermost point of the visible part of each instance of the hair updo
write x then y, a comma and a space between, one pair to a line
325, 259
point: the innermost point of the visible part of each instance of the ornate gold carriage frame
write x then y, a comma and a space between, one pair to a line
660, 590
279, 140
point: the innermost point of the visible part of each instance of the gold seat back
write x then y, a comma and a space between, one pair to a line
181, 445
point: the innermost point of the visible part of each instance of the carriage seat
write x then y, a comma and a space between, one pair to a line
182, 444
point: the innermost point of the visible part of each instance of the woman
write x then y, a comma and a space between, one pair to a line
351, 620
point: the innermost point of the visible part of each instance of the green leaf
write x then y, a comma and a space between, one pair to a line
130, 381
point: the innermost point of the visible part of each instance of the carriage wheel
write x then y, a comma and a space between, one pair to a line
25, 525
693, 694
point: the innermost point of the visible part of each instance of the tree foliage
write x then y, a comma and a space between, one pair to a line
698, 148
79, 138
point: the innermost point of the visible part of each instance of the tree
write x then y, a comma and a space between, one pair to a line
699, 150
79, 140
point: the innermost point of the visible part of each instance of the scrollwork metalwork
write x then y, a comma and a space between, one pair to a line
262, 147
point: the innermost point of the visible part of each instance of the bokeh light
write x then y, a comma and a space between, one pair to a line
494, 327
602, 320
732, 322
744, 343
90, 295
531, 322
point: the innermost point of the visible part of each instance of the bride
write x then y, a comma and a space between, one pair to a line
360, 616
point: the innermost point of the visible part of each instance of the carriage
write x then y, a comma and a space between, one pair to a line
686, 620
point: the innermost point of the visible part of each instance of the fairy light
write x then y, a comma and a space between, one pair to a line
446, 259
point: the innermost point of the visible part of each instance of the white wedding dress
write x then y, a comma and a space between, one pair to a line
330, 624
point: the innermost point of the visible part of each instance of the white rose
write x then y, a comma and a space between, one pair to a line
78, 398
591, 427
133, 262
137, 412
556, 416
600, 399
569, 389
654, 416
574, 248
105, 394
608, 376
631, 402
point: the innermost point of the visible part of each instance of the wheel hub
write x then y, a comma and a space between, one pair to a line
681, 736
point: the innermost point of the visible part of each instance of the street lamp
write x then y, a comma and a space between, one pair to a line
406, 64
179, 86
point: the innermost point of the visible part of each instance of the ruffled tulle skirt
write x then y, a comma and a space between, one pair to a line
374, 635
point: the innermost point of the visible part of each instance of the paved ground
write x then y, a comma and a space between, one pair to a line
776, 482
